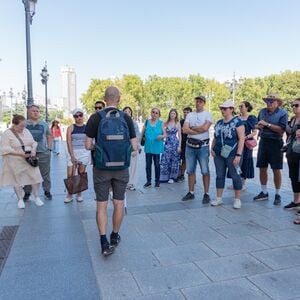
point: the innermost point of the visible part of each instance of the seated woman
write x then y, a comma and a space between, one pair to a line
15, 170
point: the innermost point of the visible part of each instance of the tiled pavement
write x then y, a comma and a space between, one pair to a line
170, 249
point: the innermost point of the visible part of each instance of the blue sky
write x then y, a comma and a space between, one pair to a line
101, 39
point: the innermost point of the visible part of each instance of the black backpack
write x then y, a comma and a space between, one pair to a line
113, 147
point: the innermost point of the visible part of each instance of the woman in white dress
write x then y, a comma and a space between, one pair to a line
15, 170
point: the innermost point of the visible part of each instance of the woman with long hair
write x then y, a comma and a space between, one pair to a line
170, 159
16, 171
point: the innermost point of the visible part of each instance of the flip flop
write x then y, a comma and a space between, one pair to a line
297, 221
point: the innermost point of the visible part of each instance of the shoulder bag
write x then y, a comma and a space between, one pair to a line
32, 160
143, 139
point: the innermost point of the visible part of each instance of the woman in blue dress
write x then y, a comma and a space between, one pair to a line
170, 159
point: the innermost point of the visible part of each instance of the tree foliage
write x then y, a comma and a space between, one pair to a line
179, 92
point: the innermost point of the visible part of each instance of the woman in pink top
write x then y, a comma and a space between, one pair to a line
56, 136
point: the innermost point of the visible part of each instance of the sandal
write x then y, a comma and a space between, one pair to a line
297, 221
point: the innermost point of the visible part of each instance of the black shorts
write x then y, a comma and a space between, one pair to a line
269, 153
103, 180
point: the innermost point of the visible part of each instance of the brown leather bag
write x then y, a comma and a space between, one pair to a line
76, 183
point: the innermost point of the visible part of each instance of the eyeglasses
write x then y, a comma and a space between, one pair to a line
98, 107
155, 112
269, 101
78, 116
295, 105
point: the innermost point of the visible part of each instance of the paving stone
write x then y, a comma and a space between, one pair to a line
53, 279
234, 230
232, 246
231, 267
279, 285
279, 238
226, 290
183, 254
169, 295
167, 278
118, 285
279, 258
194, 235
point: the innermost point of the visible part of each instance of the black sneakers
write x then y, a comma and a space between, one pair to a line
188, 196
107, 249
292, 205
26, 196
48, 195
206, 199
261, 196
277, 200
147, 185
157, 185
115, 239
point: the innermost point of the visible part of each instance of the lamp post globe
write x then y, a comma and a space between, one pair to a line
29, 6
45, 76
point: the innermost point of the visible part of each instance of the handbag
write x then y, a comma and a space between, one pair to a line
32, 160
143, 139
250, 143
226, 149
76, 183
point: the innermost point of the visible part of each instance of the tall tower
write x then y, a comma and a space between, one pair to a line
68, 88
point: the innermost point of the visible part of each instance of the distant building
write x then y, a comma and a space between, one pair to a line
68, 88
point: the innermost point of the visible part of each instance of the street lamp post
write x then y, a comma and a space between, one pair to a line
44, 80
29, 6
24, 100
11, 95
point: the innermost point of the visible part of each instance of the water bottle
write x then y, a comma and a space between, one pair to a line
238, 170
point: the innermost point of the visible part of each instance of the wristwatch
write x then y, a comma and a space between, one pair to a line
269, 125
237, 154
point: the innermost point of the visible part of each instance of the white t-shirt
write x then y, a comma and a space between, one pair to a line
197, 119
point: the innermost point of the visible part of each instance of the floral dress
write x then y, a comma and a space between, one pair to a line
170, 159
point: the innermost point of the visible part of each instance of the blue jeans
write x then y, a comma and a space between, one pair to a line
222, 164
156, 159
200, 155
55, 146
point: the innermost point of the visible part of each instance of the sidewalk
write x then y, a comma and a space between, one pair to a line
169, 250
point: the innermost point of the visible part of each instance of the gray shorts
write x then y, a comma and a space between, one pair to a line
103, 180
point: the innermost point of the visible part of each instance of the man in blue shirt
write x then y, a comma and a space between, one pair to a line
272, 122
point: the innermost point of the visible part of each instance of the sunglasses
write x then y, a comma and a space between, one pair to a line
224, 108
241, 106
295, 105
155, 112
98, 107
269, 101
78, 116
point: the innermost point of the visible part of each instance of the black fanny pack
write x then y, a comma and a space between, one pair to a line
194, 143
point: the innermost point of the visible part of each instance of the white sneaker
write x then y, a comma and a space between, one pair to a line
237, 203
216, 202
170, 181
68, 199
21, 204
38, 201
79, 198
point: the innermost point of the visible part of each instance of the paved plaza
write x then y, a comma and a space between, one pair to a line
169, 250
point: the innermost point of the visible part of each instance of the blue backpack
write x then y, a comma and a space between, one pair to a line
113, 147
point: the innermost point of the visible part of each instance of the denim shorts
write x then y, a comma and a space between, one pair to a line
193, 155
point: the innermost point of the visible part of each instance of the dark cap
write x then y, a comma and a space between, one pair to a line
200, 98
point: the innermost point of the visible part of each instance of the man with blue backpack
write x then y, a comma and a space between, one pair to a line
115, 140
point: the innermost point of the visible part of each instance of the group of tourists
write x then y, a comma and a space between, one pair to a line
111, 141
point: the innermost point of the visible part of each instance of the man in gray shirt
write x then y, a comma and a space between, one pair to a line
42, 135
